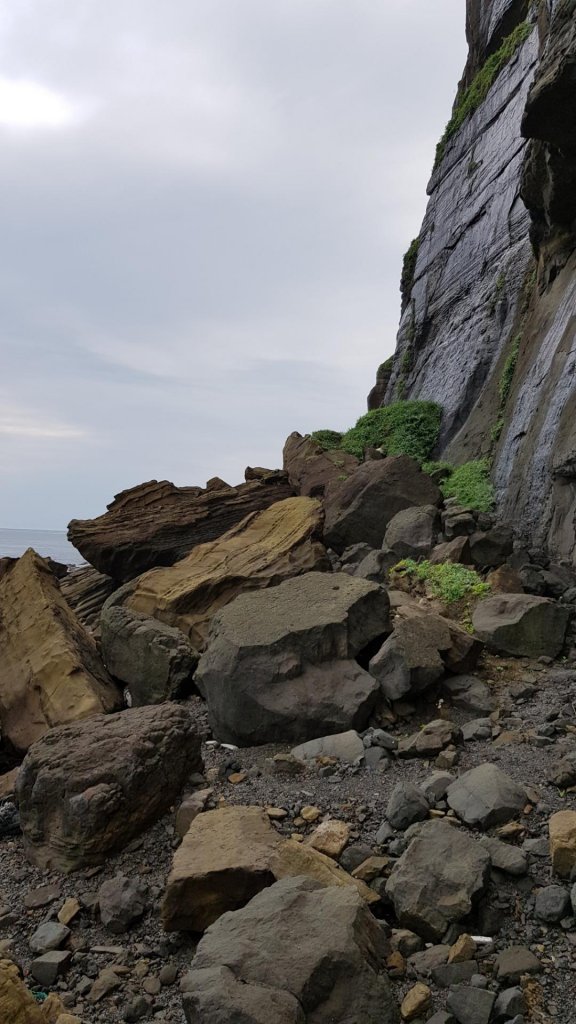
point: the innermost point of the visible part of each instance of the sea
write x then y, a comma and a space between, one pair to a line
48, 543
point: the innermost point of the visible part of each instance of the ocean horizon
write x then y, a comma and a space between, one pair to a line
48, 543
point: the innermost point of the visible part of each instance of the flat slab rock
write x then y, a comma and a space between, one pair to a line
437, 880
297, 953
485, 796
229, 855
157, 523
85, 790
262, 551
279, 664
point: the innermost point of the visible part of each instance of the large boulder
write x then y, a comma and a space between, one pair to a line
261, 551
437, 880
85, 790
297, 954
156, 662
361, 507
157, 523
486, 796
412, 532
17, 1004
51, 672
310, 469
521, 625
422, 647
279, 664
229, 855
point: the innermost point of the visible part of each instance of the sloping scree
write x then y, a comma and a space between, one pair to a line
298, 953
278, 665
86, 790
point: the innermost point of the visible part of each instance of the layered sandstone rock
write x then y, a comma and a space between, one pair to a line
262, 551
85, 790
51, 670
158, 523
310, 469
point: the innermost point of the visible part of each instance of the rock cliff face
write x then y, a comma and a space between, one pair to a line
488, 328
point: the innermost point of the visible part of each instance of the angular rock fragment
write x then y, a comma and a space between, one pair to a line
156, 523
521, 625
412, 532
279, 663
562, 829
437, 880
486, 796
229, 855
406, 805
51, 670
86, 790
122, 901
345, 746
261, 551
296, 953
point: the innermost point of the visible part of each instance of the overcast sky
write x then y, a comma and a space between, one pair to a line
203, 210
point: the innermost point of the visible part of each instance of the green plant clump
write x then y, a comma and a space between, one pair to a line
439, 471
328, 439
401, 428
408, 270
480, 86
385, 367
449, 581
505, 385
470, 484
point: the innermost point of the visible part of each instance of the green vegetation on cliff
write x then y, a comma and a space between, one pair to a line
408, 270
480, 86
449, 581
402, 428
470, 484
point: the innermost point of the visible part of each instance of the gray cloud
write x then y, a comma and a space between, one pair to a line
204, 253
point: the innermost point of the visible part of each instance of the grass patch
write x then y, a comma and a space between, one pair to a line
480, 86
470, 484
402, 428
439, 471
449, 581
328, 439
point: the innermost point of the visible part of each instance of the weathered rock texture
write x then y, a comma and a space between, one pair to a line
279, 664
157, 523
51, 672
86, 590
85, 790
297, 954
261, 551
17, 1004
310, 469
494, 289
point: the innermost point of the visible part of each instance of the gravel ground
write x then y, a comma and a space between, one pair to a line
357, 795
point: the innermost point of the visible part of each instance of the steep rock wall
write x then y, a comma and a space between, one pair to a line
494, 284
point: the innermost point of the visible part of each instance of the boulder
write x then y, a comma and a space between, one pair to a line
562, 830
421, 648
491, 548
262, 551
437, 880
51, 670
407, 804
412, 532
468, 693
505, 580
122, 901
310, 469
299, 953
521, 625
344, 746
229, 855
361, 507
86, 790
485, 796
157, 523
279, 665
456, 550
17, 1004
155, 662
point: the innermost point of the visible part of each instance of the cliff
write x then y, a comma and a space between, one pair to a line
489, 289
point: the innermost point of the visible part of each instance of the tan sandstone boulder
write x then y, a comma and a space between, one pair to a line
562, 830
51, 670
17, 1004
157, 523
262, 551
227, 857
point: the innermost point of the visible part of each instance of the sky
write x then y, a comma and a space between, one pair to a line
203, 210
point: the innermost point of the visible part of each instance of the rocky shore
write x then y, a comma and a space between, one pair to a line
301, 750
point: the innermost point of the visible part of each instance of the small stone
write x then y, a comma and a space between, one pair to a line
562, 830
505, 857
463, 949
330, 838
48, 936
552, 904
396, 965
512, 963
41, 897
310, 813
448, 975
168, 974
237, 777
152, 986
471, 1005
509, 1003
276, 813
407, 804
122, 901
106, 982
406, 942
191, 806
68, 911
416, 1002
46, 969
137, 1009
371, 868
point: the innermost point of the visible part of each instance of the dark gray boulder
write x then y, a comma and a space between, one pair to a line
493, 547
298, 953
360, 508
279, 662
437, 880
486, 796
412, 533
521, 625
406, 805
